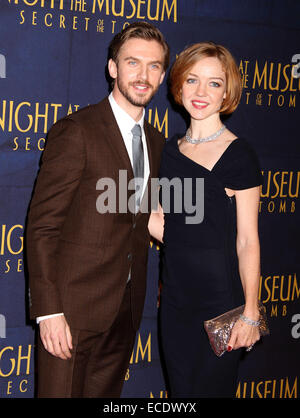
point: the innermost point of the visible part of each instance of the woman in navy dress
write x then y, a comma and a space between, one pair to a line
212, 266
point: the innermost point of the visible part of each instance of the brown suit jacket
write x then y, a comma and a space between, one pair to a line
79, 259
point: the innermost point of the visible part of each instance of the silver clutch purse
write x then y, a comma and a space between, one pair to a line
219, 329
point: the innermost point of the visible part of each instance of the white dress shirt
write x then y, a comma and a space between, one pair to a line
125, 124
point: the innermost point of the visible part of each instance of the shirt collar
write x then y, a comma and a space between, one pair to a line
124, 121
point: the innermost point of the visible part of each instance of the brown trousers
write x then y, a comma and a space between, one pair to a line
98, 364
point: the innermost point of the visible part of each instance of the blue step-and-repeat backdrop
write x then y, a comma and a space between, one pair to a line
52, 62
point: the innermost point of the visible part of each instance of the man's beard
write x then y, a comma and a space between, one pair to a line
142, 101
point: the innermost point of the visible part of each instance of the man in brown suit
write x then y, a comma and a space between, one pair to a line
87, 269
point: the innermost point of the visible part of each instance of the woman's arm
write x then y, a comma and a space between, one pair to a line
156, 224
248, 251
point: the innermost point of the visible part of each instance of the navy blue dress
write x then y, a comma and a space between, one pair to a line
200, 276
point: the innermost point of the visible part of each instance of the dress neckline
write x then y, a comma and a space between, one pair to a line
200, 165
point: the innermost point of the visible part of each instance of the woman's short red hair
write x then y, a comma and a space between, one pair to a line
191, 55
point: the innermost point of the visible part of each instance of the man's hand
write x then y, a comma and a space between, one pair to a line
56, 336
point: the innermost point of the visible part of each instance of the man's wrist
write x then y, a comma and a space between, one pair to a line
41, 318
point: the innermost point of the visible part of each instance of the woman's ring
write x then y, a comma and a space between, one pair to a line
250, 347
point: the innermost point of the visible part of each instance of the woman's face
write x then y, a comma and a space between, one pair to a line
204, 88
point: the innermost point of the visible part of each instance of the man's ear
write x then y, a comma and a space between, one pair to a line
112, 68
162, 77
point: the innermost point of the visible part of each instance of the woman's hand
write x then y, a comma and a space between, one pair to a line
156, 224
243, 335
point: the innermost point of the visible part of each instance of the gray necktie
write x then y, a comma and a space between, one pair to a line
138, 162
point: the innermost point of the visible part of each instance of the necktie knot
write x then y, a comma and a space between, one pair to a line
136, 130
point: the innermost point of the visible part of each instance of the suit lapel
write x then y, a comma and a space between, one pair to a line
114, 138
150, 157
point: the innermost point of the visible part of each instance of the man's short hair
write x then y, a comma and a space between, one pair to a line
140, 30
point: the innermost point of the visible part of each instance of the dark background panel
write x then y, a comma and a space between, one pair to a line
53, 70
